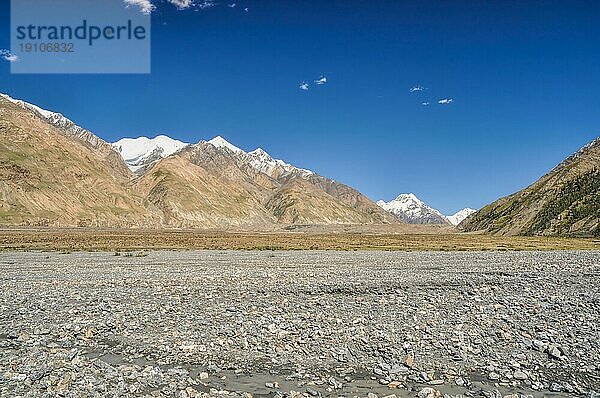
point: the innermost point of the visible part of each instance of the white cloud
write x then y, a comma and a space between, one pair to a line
204, 4
417, 88
426, 103
182, 4
8, 56
145, 6
304, 86
321, 80
232, 5
445, 101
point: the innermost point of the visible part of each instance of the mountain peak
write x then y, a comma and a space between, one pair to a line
260, 160
460, 215
259, 151
411, 197
220, 142
139, 153
409, 208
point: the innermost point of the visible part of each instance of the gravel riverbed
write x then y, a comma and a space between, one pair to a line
300, 324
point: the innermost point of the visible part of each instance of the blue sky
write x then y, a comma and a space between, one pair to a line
523, 76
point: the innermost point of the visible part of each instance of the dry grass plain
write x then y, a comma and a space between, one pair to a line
300, 238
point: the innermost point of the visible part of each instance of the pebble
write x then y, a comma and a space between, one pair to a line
429, 392
554, 352
520, 375
201, 324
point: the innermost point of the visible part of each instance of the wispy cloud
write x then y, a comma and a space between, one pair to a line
445, 101
146, 6
8, 56
426, 103
417, 88
321, 80
182, 4
206, 4
304, 86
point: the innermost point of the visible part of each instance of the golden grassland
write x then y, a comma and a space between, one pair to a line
309, 239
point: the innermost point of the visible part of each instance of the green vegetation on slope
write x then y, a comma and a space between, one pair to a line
566, 201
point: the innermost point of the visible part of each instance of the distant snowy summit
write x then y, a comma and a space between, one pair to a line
410, 209
460, 215
82, 180
142, 152
220, 142
139, 153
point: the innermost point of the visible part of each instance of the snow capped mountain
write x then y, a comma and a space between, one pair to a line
220, 142
410, 209
260, 160
139, 153
263, 162
459, 216
142, 152
213, 183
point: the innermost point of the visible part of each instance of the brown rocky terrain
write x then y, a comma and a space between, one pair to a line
50, 177
56, 173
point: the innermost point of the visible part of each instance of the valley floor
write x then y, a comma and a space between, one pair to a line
374, 237
300, 324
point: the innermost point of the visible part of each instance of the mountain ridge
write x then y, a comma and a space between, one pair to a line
211, 184
51, 177
69, 127
277, 188
412, 210
564, 201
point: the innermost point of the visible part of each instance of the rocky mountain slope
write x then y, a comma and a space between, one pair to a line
236, 188
54, 172
566, 201
410, 209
